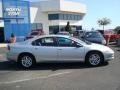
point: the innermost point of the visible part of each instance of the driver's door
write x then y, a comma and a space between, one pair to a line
68, 51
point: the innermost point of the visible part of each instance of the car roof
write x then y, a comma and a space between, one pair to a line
55, 36
43, 36
92, 31
63, 32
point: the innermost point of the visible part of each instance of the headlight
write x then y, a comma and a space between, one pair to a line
104, 42
110, 51
110, 55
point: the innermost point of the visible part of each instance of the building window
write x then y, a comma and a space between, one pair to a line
53, 16
61, 16
78, 27
56, 29
53, 29
36, 26
64, 17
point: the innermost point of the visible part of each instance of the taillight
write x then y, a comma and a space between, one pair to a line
8, 47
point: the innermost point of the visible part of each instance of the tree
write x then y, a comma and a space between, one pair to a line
103, 22
117, 29
68, 28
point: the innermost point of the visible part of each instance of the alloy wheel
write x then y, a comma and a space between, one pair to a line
26, 61
94, 59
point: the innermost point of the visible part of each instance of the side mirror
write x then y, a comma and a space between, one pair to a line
77, 45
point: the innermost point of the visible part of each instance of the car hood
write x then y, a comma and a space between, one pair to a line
99, 47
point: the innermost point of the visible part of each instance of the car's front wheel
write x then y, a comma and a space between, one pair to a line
26, 61
94, 58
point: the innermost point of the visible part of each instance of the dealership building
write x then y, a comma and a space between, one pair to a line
20, 17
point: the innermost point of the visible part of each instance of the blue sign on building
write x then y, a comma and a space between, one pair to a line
16, 16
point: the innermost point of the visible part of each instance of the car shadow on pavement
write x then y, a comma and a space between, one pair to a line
12, 66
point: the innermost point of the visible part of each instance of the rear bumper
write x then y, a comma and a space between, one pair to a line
12, 56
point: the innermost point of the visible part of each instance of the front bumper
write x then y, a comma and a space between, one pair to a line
109, 56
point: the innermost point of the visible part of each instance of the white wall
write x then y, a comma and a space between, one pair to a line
1, 22
64, 22
70, 6
62, 5
0, 8
51, 5
39, 17
39, 12
33, 13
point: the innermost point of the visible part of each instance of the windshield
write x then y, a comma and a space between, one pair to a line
80, 40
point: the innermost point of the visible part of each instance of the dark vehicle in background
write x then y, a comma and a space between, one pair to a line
90, 36
94, 37
34, 33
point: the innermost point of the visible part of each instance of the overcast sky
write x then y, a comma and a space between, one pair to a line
97, 9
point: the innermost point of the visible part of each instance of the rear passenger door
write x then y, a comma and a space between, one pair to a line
45, 49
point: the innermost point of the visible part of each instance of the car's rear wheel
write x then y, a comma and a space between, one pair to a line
94, 59
26, 61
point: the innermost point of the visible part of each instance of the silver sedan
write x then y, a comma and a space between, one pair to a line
58, 48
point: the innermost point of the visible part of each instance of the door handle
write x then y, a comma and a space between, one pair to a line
36, 48
59, 49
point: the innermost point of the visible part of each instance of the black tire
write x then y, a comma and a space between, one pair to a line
26, 61
94, 59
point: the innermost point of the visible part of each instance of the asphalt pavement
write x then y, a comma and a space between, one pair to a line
60, 76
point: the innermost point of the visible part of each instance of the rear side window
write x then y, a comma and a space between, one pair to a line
47, 41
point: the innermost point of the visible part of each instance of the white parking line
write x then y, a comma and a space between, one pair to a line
43, 77
4, 72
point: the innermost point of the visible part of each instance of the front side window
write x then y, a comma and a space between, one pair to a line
47, 41
64, 42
